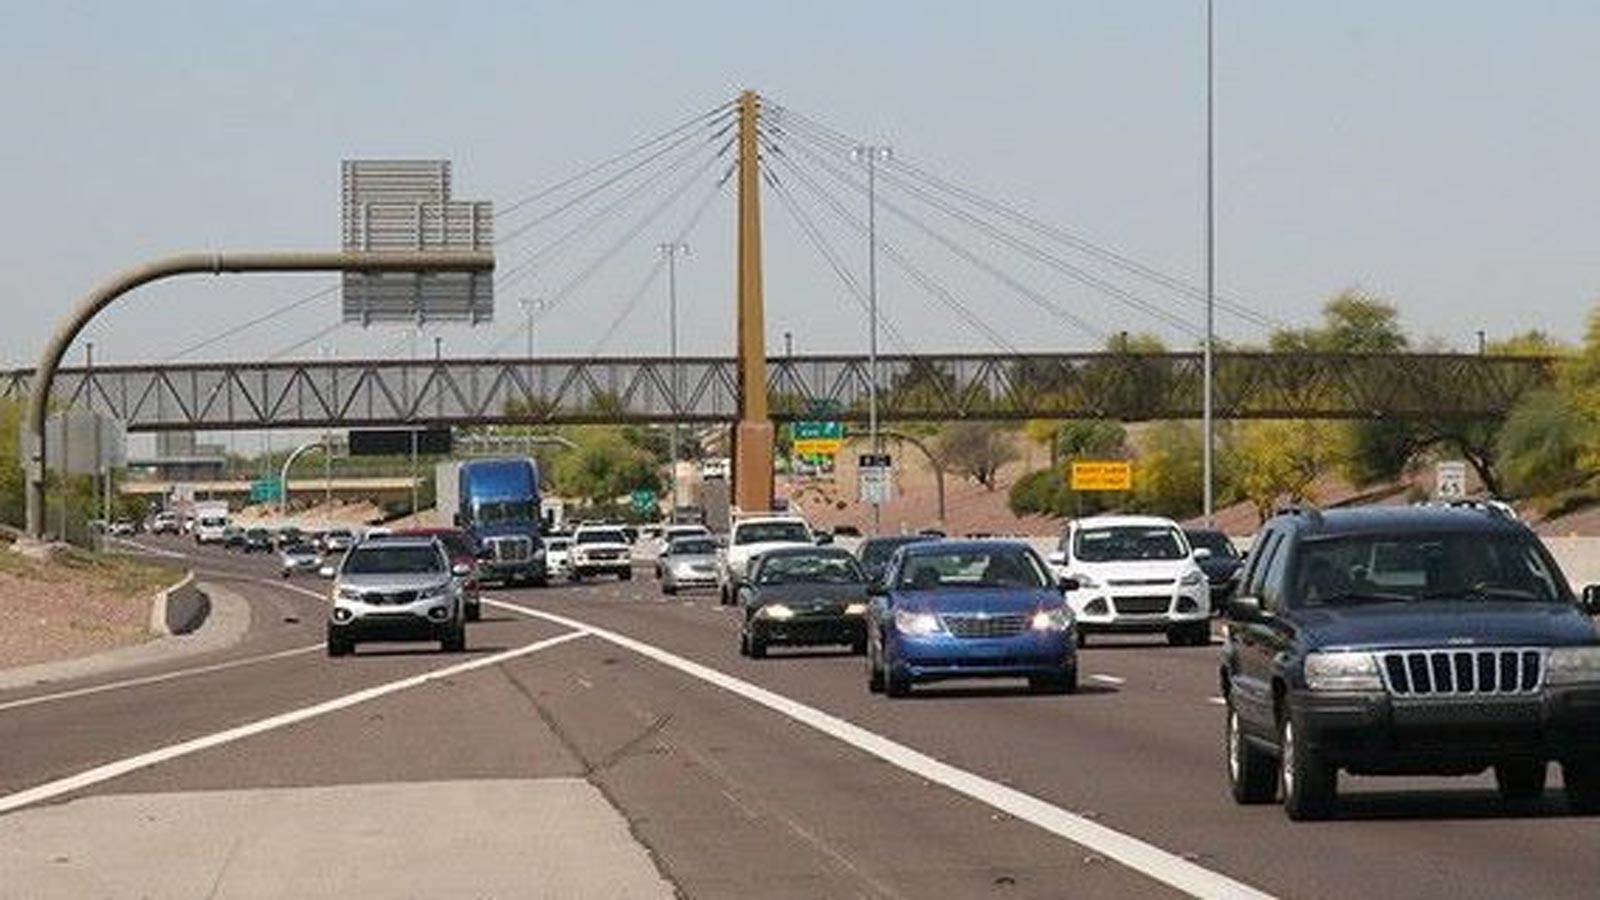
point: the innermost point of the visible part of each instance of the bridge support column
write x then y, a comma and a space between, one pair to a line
753, 436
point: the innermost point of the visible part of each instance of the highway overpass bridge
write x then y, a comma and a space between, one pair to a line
1126, 386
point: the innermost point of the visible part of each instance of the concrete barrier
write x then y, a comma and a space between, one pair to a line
179, 609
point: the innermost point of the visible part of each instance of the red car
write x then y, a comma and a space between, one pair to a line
462, 551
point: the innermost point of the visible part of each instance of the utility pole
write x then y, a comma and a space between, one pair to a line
1208, 413
1483, 342
670, 250
327, 459
530, 305
872, 154
788, 345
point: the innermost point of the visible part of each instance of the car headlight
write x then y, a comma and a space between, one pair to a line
1343, 671
856, 609
438, 592
1193, 578
347, 594
908, 622
1573, 665
1051, 619
776, 611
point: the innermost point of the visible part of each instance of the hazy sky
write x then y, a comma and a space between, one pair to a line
1440, 154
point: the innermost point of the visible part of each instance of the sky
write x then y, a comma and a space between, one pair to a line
1440, 155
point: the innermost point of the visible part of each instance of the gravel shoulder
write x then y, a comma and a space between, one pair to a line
74, 604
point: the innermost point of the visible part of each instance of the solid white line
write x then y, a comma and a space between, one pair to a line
52, 789
1159, 864
158, 678
1108, 679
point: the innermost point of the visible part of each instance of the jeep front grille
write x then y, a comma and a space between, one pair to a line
1478, 672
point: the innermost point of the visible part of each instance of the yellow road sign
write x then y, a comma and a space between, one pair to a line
1107, 475
818, 446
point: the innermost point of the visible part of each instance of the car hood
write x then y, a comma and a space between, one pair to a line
1443, 623
381, 582
793, 594
992, 601
1136, 569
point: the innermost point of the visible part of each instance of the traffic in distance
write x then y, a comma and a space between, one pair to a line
1435, 639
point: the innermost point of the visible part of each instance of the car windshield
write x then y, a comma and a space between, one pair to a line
875, 553
1215, 541
1465, 566
602, 536
1124, 543
380, 560
1002, 567
491, 512
454, 543
770, 532
693, 547
557, 544
810, 568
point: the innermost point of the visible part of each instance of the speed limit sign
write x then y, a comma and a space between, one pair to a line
1450, 480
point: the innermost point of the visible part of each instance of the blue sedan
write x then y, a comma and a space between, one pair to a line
969, 609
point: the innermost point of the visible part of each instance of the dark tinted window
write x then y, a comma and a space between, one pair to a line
693, 547
763, 532
1260, 557
810, 568
1465, 566
1215, 541
877, 552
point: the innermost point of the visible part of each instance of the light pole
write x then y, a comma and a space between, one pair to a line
871, 154
327, 351
1207, 413
671, 250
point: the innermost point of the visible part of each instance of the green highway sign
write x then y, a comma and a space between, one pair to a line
264, 490
644, 500
811, 430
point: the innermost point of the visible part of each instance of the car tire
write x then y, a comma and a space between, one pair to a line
668, 588
896, 686
744, 643
1252, 776
340, 646
625, 575
1083, 638
1200, 633
1582, 780
474, 612
1522, 780
858, 647
285, 573
1063, 683
875, 679
454, 641
1310, 785
758, 647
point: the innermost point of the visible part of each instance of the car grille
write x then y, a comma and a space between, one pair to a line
603, 555
986, 626
1141, 582
511, 549
1142, 605
389, 598
1432, 673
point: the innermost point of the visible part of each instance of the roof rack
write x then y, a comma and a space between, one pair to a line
1485, 504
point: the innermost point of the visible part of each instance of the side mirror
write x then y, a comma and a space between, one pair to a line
824, 539
1068, 584
326, 572
484, 554
1202, 553
1057, 558
877, 588
1591, 599
461, 570
1246, 609
456, 520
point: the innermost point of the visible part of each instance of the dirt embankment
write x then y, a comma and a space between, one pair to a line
73, 603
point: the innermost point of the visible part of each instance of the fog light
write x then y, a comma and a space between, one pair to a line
1096, 607
1187, 604
342, 615
439, 613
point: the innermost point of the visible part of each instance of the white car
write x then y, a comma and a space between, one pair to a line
749, 538
210, 529
1135, 574
601, 550
557, 557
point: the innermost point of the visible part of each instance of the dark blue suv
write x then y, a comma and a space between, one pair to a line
1407, 641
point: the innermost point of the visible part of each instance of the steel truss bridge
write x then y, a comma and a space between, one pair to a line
1125, 386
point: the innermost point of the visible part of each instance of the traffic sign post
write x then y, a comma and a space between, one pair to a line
1450, 480
875, 475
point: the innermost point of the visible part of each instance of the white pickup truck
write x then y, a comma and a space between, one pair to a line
749, 538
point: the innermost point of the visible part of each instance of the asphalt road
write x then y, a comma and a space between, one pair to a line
780, 777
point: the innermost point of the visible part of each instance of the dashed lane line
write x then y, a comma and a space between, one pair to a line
88, 778
1107, 679
1161, 865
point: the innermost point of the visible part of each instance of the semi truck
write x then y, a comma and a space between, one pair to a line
497, 502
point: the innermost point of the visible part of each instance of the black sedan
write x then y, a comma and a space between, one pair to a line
1221, 561
875, 552
803, 596
257, 540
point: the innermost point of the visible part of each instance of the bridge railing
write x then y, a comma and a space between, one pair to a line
1128, 386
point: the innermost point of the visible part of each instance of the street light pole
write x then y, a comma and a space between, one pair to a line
670, 250
871, 154
1208, 413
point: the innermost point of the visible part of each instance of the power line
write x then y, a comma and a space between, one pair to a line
319, 335
265, 317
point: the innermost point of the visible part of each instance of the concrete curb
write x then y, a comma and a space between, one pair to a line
160, 623
226, 624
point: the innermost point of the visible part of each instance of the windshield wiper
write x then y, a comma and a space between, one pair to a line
1358, 598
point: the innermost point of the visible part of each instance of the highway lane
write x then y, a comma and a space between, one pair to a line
1144, 756
735, 800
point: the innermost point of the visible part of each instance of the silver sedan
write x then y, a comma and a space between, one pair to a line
688, 562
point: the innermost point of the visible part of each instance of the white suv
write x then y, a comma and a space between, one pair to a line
601, 550
1135, 574
751, 537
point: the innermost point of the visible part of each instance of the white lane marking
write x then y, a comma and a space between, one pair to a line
158, 678
1217, 701
1161, 865
96, 775
1107, 679
152, 551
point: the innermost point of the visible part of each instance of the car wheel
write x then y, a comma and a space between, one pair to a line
626, 574
474, 612
896, 686
1200, 633
339, 646
455, 641
1582, 779
874, 671
1251, 773
1310, 785
285, 573
1063, 683
758, 647
1083, 638
744, 643
858, 647
1521, 781
668, 588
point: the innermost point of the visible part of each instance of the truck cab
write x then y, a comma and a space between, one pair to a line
497, 501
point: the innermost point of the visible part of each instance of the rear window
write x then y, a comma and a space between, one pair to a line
766, 532
694, 546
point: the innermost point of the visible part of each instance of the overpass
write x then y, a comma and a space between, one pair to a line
1125, 386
